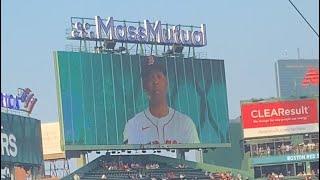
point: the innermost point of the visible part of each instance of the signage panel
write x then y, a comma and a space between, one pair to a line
24, 101
280, 117
137, 32
285, 159
20, 140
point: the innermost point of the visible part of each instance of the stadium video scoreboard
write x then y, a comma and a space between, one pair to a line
100, 93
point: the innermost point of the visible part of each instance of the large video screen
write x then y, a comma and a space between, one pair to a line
117, 101
274, 118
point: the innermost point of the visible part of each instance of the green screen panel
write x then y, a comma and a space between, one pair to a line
99, 93
20, 140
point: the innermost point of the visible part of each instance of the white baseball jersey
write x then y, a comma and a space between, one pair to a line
174, 128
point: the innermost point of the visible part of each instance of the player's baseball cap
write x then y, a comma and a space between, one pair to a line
151, 65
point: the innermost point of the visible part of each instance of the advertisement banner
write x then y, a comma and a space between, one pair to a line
20, 140
279, 117
285, 159
118, 101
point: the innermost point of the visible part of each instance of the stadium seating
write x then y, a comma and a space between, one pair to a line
116, 167
146, 167
120, 172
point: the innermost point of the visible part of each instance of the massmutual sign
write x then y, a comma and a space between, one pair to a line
145, 33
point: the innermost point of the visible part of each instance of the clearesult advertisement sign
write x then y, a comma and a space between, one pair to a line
119, 101
279, 117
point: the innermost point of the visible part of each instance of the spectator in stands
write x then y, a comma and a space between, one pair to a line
257, 151
163, 177
308, 178
182, 176
279, 150
76, 177
228, 175
268, 151
137, 165
281, 176
303, 148
133, 165
182, 166
283, 149
287, 149
273, 174
143, 128
311, 146
104, 176
206, 173
171, 175
269, 177
297, 149
211, 176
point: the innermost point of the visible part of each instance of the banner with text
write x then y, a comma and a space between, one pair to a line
279, 117
264, 160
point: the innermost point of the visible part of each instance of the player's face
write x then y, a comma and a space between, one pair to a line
156, 85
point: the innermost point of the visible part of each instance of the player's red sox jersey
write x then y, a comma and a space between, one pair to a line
174, 128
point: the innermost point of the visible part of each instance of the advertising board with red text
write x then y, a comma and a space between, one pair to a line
274, 118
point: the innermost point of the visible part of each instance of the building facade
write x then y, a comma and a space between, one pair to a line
292, 77
281, 136
293, 155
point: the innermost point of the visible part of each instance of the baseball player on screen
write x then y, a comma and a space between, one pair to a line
159, 123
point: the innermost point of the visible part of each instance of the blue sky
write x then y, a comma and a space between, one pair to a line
249, 35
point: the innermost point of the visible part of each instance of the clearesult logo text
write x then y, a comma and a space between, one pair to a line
302, 110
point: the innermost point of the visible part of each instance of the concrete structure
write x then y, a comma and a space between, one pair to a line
290, 75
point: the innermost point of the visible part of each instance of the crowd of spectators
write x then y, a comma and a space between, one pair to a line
280, 176
141, 171
127, 166
224, 176
287, 149
182, 166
